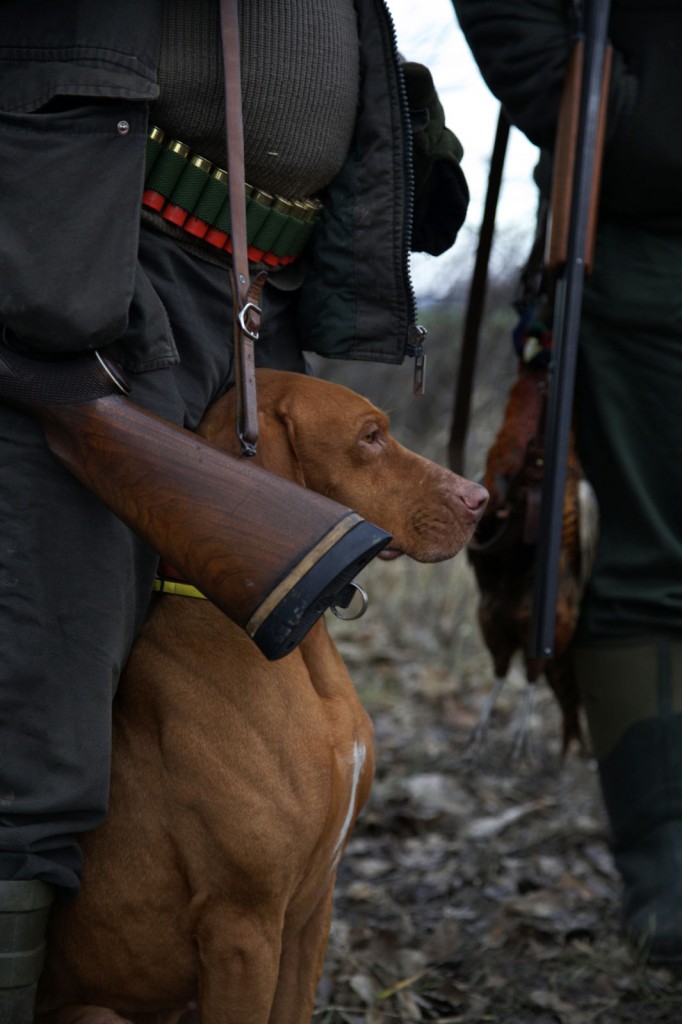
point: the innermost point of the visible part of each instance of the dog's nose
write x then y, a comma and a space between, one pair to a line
475, 497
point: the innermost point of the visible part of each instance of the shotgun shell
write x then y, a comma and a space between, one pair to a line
154, 200
208, 206
194, 226
154, 149
219, 232
174, 214
187, 191
165, 173
215, 237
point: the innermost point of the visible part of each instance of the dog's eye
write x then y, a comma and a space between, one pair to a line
371, 437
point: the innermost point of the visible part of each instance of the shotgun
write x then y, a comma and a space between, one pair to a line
577, 153
270, 554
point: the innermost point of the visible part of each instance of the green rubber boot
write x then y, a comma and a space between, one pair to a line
24, 910
633, 701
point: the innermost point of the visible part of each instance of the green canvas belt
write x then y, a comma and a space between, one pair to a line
190, 192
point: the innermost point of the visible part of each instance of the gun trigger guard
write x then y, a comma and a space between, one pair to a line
249, 306
347, 598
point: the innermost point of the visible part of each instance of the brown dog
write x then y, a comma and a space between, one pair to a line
236, 781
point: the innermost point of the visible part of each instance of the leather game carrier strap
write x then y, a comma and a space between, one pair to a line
270, 554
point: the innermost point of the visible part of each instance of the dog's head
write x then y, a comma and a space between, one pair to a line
334, 441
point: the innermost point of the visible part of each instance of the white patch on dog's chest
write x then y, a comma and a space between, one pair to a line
359, 757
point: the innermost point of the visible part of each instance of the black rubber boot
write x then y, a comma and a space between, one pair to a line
633, 700
642, 786
24, 911
632, 693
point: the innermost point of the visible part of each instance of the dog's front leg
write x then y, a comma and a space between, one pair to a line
301, 966
103, 1015
239, 967
83, 1015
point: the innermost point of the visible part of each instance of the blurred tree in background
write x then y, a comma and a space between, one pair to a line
423, 422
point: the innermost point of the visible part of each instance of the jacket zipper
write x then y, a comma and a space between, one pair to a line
416, 334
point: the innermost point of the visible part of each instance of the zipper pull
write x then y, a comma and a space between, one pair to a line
415, 348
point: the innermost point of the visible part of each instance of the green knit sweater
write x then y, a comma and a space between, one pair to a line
300, 74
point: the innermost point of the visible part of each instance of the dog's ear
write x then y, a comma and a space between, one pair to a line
219, 424
276, 445
276, 450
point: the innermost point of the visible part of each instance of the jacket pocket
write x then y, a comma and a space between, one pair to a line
70, 187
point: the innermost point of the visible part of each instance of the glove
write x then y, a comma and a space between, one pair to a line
441, 191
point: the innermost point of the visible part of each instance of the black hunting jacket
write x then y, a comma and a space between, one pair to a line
522, 48
76, 80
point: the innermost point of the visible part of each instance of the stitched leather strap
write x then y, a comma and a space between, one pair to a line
246, 328
247, 312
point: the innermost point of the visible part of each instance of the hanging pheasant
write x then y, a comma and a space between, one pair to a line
503, 550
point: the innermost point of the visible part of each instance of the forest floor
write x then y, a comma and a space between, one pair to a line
478, 885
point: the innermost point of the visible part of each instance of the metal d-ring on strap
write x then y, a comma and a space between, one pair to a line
364, 603
249, 307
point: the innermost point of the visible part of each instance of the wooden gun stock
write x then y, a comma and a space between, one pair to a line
564, 162
270, 554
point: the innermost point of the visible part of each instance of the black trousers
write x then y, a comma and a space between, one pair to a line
75, 581
629, 423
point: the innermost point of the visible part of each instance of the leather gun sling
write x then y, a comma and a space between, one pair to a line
246, 294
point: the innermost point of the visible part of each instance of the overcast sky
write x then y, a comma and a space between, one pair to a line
428, 32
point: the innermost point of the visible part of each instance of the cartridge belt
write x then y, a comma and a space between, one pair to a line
190, 192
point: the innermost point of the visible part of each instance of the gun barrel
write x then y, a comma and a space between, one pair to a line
568, 307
